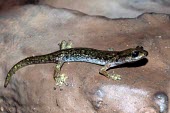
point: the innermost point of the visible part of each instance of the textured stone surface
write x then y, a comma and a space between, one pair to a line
107, 8
112, 8
34, 30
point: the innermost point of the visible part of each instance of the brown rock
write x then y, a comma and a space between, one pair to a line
34, 30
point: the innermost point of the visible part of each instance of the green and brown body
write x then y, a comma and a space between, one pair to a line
106, 58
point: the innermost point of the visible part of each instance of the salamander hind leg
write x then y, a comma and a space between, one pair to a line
60, 79
104, 72
65, 45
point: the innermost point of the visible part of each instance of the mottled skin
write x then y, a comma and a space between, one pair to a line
67, 54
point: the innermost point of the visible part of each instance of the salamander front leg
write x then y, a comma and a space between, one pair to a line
110, 49
65, 45
104, 72
60, 79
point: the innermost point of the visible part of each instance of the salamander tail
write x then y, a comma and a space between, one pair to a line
28, 61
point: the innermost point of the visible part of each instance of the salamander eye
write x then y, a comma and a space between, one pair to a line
135, 54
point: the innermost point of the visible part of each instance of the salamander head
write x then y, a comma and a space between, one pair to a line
132, 54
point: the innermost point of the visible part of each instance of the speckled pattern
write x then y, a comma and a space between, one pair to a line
82, 55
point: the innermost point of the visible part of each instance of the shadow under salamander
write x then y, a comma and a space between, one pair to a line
133, 64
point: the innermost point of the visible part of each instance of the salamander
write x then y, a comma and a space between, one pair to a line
66, 53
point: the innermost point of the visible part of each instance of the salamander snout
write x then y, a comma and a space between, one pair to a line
145, 53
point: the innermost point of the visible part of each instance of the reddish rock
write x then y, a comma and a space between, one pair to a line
35, 30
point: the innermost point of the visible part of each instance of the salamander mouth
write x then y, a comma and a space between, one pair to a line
136, 59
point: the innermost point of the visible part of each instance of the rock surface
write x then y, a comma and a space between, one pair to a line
112, 8
107, 8
35, 30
